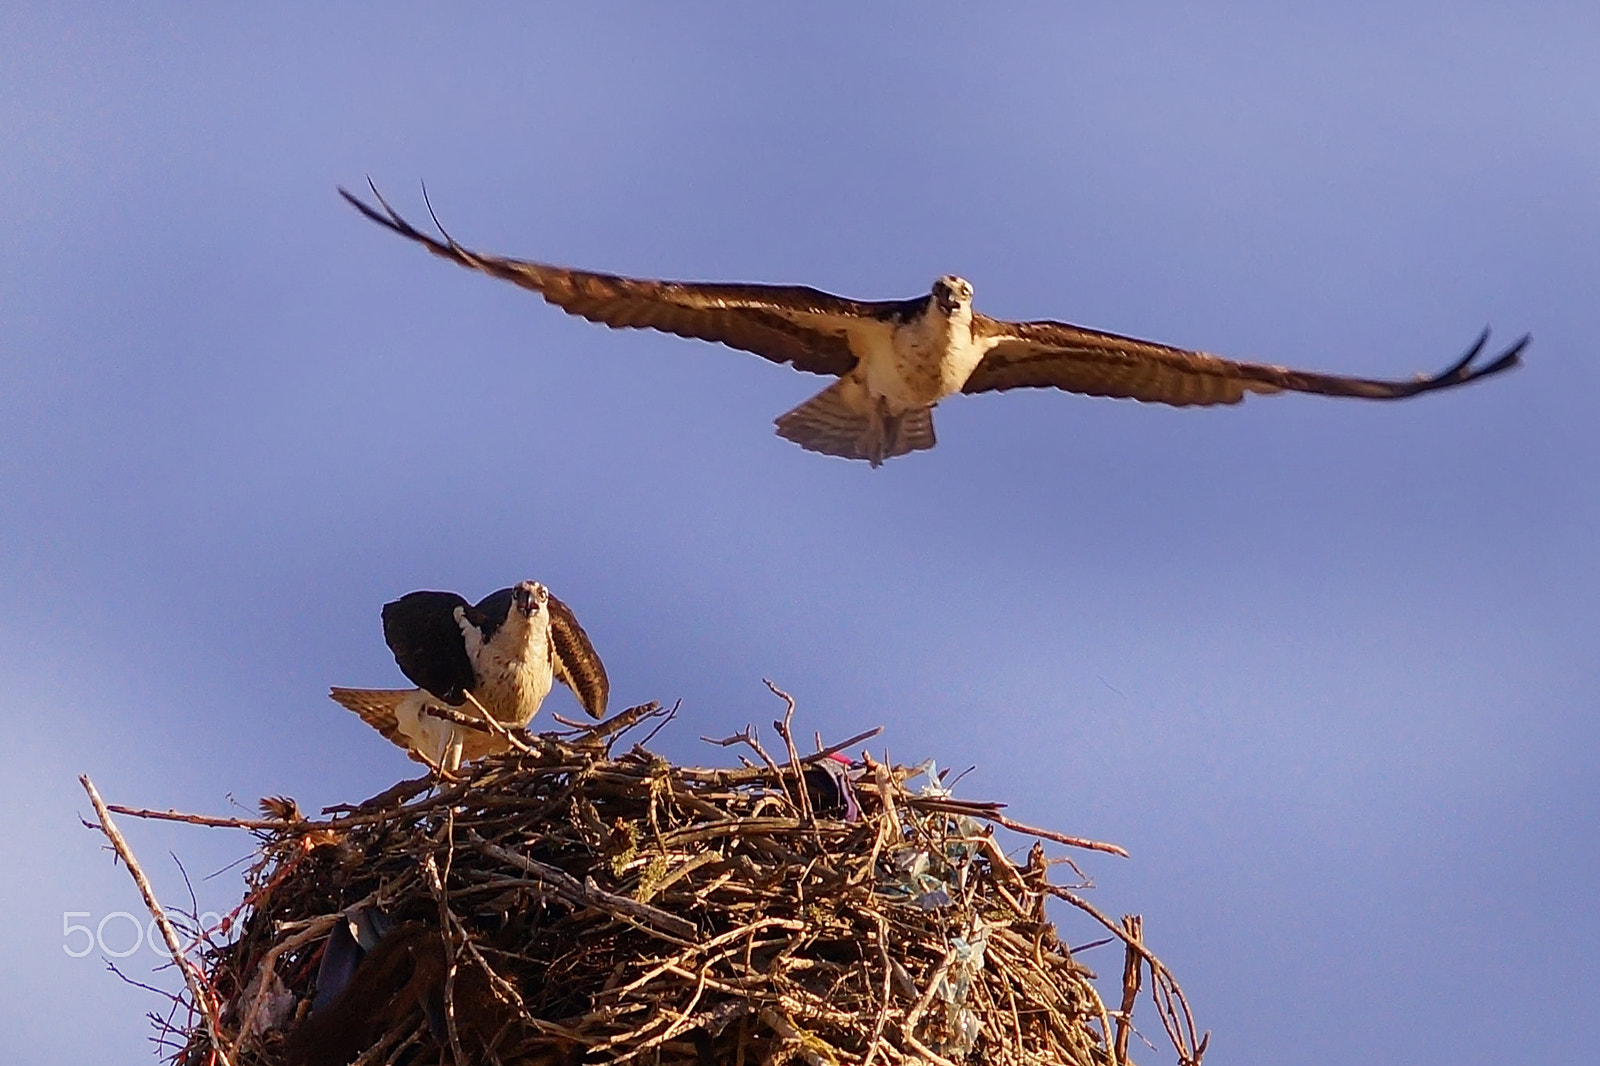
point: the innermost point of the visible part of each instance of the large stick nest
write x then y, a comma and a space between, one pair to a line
564, 905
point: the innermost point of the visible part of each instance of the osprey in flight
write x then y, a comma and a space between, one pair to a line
500, 657
896, 359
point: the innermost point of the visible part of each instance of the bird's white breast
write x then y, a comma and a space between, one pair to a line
927, 359
514, 669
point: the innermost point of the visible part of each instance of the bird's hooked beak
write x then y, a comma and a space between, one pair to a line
528, 597
951, 293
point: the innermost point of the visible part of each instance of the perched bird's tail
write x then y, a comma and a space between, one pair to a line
405, 716
841, 420
377, 707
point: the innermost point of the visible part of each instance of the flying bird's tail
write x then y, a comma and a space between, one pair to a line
840, 420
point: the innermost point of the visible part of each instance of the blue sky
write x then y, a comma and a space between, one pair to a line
1325, 668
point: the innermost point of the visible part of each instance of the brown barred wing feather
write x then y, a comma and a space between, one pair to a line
804, 327
1062, 356
575, 662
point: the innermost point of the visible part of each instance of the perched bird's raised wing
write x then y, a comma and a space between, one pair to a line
804, 327
1061, 356
421, 629
576, 664
490, 612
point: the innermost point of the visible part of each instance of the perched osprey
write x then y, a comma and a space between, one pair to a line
896, 359
501, 656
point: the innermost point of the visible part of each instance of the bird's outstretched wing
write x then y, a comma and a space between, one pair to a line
1062, 356
576, 664
421, 629
804, 327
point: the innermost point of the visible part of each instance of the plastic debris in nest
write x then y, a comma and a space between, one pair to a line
562, 904
932, 875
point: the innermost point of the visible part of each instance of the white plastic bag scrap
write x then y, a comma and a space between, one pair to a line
961, 1024
929, 769
969, 955
933, 879
917, 878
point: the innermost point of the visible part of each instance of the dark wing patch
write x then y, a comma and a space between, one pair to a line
576, 664
420, 628
489, 613
793, 324
1062, 356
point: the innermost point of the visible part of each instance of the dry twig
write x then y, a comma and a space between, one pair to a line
200, 995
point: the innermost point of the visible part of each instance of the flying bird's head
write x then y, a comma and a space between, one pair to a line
529, 598
952, 294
